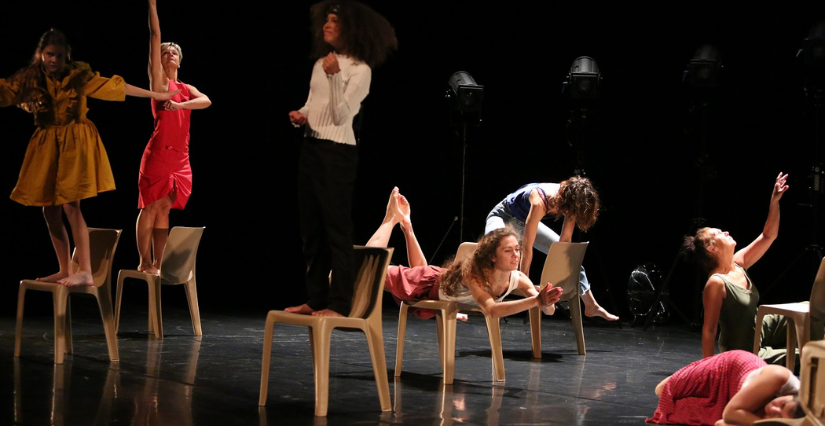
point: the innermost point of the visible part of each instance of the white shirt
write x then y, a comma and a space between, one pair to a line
335, 99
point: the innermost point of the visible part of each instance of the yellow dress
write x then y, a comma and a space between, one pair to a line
65, 160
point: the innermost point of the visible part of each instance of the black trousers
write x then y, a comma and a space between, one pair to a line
326, 178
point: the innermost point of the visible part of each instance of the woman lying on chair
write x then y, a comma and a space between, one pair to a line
731, 388
483, 279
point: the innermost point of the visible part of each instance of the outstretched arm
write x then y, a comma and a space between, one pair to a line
528, 289
754, 251
143, 93
549, 295
157, 79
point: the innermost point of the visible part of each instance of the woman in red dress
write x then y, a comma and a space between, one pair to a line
165, 180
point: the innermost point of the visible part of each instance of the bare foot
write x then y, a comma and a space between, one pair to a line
77, 279
461, 317
392, 208
148, 269
303, 309
404, 211
53, 278
326, 313
593, 311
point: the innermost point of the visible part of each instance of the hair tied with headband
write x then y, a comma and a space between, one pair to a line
334, 9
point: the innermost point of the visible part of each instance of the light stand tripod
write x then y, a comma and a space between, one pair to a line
465, 97
702, 77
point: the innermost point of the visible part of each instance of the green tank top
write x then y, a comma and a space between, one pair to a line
737, 316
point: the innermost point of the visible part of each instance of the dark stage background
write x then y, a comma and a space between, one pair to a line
251, 58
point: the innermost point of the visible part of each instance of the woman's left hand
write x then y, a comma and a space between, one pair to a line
779, 187
172, 106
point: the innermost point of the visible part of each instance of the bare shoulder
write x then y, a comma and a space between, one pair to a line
715, 286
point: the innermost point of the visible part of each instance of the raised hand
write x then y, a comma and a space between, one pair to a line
779, 187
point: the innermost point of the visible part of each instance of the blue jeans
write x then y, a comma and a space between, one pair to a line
500, 216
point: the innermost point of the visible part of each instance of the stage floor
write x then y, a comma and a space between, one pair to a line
214, 380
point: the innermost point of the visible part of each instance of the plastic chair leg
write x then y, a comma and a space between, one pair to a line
402, 331
266, 359
576, 316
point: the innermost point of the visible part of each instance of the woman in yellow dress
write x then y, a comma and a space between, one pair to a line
65, 161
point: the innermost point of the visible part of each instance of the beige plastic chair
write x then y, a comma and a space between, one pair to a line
365, 316
177, 266
799, 317
445, 315
102, 245
812, 388
562, 268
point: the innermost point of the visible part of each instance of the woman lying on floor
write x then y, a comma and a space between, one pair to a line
483, 279
732, 388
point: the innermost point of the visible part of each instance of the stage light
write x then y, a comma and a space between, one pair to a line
705, 68
583, 79
466, 93
812, 55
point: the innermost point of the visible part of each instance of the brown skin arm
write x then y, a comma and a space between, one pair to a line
747, 405
712, 298
531, 227
548, 295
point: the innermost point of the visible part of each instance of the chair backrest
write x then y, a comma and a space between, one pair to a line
102, 245
812, 378
465, 250
178, 262
818, 294
563, 267
369, 281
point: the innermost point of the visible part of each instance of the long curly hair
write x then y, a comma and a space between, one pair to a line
33, 95
695, 249
366, 35
478, 267
578, 198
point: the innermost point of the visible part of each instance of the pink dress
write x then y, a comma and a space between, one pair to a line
698, 393
164, 168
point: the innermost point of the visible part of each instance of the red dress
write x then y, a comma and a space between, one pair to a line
698, 393
164, 167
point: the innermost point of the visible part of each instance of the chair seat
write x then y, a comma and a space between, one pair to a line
102, 246
787, 308
177, 267
365, 315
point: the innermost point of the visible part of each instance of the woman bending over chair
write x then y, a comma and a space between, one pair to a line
731, 388
483, 279
573, 200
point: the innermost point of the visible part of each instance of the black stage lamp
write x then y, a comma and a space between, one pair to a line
583, 80
812, 55
705, 68
466, 92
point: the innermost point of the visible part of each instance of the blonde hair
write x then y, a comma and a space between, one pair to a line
175, 46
